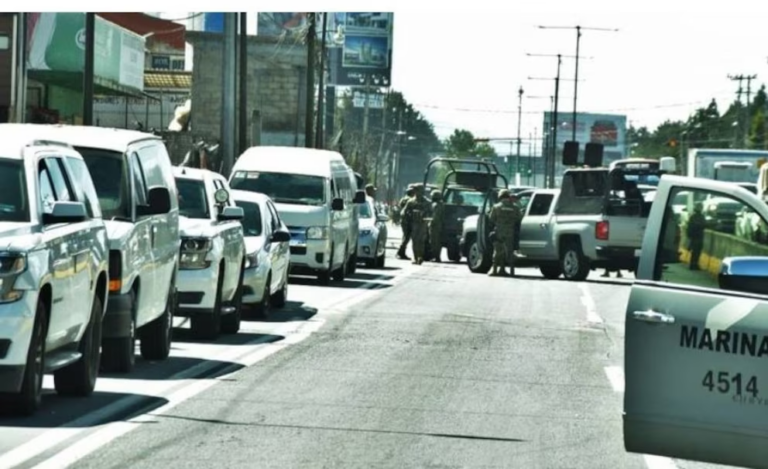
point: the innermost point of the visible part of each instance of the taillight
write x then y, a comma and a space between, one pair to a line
602, 230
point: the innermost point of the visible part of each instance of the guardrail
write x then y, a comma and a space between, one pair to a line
718, 246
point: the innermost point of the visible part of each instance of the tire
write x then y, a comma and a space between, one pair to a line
261, 310
381, 261
340, 274
551, 271
352, 265
208, 326
118, 355
574, 265
478, 262
279, 299
454, 253
324, 277
230, 323
79, 378
157, 336
27, 401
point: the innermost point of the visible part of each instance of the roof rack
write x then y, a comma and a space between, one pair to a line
50, 143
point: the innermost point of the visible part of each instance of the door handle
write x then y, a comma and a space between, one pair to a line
653, 316
543, 226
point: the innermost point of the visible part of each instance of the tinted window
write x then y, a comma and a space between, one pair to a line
252, 222
139, 181
365, 210
275, 222
59, 180
540, 204
108, 175
193, 202
696, 237
14, 204
458, 197
47, 196
283, 188
84, 188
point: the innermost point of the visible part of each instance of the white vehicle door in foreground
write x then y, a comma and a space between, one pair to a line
696, 337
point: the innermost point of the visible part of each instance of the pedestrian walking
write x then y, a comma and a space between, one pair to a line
416, 211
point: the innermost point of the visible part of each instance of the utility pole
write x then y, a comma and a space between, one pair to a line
229, 94
366, 110
308, 118
551, 178
380, 154
243, 82
90, 48
519, 122
578, 29
744, 114
321, 87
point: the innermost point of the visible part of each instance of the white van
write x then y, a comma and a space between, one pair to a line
314, 192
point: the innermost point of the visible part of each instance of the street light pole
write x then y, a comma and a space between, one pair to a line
519, 122
551, 169
576, 82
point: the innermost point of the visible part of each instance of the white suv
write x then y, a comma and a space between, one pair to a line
212, 259
53, 270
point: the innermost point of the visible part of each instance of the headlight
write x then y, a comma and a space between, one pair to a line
317, 232
194, 252
252, 261
11, 266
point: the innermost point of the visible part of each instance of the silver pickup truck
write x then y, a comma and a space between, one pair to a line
595, 221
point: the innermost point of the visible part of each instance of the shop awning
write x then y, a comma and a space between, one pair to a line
167, 80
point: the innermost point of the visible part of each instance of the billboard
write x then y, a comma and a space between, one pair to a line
608, 129
364, 49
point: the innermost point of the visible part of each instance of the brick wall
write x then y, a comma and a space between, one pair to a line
275, 84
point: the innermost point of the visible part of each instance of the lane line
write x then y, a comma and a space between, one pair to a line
659, 462
589, 304
615, 376
109, 432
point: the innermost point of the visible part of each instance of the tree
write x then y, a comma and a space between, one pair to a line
461, 144
484, 150
757, 137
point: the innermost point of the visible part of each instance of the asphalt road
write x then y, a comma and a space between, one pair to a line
412, 366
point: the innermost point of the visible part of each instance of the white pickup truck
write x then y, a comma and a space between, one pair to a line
595, 221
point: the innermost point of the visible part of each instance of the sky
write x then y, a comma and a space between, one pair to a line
462, 67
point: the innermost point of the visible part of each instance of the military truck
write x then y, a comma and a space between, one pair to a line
467, 185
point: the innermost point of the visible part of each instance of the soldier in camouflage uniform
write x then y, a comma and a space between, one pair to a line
504, 217
417, 211
436, 227
405, 223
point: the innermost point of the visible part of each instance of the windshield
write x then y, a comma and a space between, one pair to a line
365, 210
296, 189
14, 206
193, 202
465, 197
643, 179
107, 171
252, 224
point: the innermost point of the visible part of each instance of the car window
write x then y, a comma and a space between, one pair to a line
193, 201
296, 189
540, 204
59, 180
47, 195
365, 210
108, 173
138, 180
14, 204
700, 229
275, 223
84, 188
252, 222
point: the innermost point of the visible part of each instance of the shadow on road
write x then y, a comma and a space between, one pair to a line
608, 281
67, 412
349, 283
165, 369
293, 311
371, 276
241, 338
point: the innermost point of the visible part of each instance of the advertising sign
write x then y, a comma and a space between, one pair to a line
365, 52
57, 43
607, 129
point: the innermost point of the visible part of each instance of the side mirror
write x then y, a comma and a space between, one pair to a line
383, 218
158, 202
280, 236
65, 212
744, 274
337, 205
231, 213
359, 197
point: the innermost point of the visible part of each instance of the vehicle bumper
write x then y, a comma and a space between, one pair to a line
17, 320
254, 282
197, 290
311, 257
117, 320
616, 257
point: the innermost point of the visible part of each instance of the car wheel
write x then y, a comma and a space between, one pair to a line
261, 309
341, 273
230, 323
118, 355
207, 326
157, 336
479, 262
280, 298
574, 264
79, 378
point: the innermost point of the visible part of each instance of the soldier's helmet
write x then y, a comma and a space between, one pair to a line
436, 195
504, 194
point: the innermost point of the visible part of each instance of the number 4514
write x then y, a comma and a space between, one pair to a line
725, 382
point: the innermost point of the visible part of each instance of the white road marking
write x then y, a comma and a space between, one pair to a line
589, 304
615, 375
187, 389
